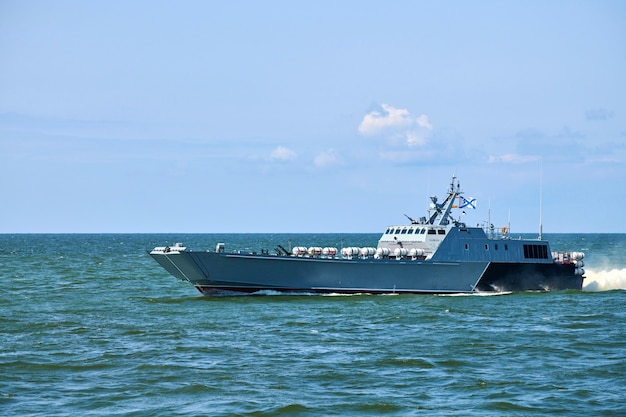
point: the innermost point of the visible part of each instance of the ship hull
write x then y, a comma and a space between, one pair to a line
222, 273
530, 277
210, 271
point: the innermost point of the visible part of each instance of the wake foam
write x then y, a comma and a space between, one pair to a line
613, 279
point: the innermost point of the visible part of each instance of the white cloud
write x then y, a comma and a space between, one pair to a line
283, 154
415, 138
396, 124
376, 121
325, 158
424, 122
513, 158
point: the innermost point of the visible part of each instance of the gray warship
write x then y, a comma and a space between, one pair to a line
437, 254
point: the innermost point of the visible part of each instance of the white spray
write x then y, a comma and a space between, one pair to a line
605, 280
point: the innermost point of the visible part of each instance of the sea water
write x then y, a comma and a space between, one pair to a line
90, 325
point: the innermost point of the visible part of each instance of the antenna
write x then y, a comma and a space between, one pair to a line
489, 219
540, 198
509, 225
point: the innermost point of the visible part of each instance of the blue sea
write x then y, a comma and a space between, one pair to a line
92, 326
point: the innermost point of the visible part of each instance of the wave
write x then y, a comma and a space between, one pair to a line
605, 280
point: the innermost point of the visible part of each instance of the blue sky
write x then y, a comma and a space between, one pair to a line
243, 116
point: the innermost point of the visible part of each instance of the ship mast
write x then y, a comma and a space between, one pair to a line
442, 211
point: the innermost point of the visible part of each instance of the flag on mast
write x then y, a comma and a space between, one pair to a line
469, 203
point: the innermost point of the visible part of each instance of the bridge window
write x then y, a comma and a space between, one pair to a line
404, 231
536, 251
441, 232
397, 231
432, 232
